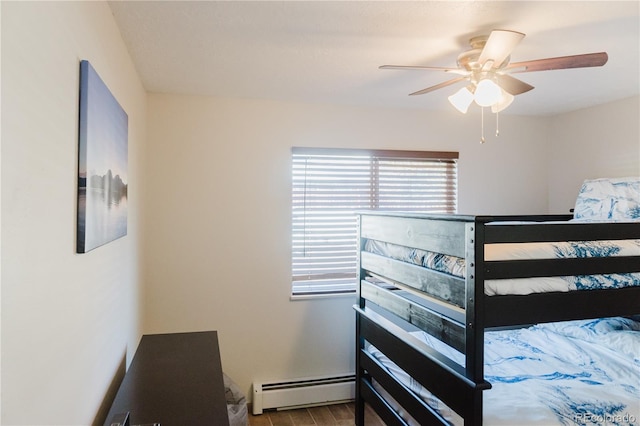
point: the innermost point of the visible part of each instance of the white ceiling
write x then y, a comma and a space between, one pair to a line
329, 51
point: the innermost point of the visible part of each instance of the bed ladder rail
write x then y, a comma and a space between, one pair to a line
445, 378
419, 410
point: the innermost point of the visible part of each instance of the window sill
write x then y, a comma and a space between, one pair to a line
296, 297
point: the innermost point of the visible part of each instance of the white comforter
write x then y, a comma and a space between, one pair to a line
561, 250
572, 373
557, 250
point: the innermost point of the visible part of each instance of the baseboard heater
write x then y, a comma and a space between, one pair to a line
288, 394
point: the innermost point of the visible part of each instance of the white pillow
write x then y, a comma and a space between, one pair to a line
609, 199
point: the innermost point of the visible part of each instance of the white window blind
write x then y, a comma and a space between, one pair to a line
330, 185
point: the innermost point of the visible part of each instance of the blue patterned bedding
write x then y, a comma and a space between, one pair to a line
437, 261
583, 372
609, 199
456, 266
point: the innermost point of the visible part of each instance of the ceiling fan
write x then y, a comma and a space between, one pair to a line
487, 68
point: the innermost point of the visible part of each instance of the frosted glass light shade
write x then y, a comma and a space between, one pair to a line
487, 93
461, 99
503, 103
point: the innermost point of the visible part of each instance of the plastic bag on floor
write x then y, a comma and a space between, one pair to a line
236, 403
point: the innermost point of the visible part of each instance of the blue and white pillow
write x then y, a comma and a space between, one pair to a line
616, 199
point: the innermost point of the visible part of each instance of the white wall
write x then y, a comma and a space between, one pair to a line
602, 141
218, 222
67, 319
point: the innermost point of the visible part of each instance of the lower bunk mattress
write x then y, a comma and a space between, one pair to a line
571, 373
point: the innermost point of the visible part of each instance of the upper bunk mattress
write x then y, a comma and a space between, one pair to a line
558, 250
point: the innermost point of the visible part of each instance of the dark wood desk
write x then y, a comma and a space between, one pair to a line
174, 380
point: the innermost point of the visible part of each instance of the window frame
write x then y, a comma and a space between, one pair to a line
373, 157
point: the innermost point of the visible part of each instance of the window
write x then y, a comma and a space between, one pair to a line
330, 185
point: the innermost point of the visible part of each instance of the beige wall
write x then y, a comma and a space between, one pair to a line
219, 221
67, 319
602, 141
218, 236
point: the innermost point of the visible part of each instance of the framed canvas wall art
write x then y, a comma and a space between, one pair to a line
102, 163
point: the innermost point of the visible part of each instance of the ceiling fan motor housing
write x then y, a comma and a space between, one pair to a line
469, 58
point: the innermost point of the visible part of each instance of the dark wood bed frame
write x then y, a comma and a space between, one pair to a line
404, 297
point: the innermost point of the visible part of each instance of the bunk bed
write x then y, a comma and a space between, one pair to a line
432, 287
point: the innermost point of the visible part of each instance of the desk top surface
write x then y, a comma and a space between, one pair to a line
174, 379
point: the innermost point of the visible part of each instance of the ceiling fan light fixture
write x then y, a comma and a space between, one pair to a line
487, 68
461, 99
505, 100
487, 93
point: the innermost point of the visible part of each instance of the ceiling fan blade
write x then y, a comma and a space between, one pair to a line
513, 85
438, 86
499, 46
422, 68
563, 62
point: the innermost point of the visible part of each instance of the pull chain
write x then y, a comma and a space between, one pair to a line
482, 125
497, 125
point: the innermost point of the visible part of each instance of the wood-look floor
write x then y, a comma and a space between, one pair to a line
334, 415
